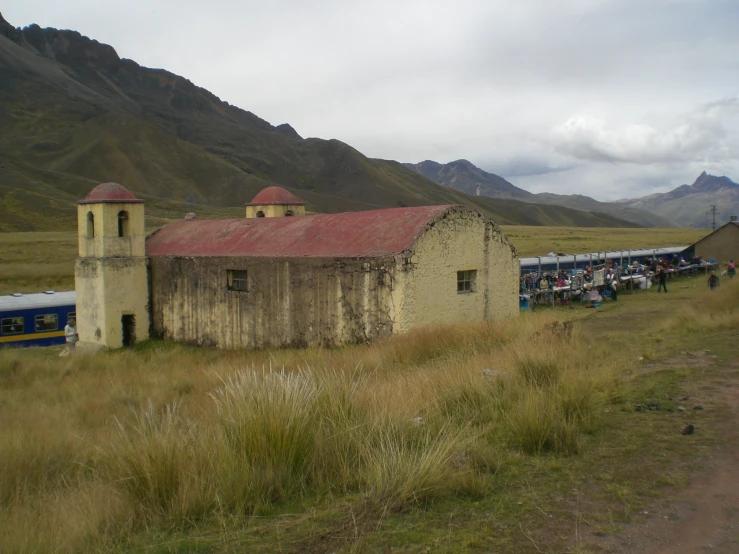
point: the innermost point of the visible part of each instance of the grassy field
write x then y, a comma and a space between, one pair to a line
32, 262
551, 432
539, 241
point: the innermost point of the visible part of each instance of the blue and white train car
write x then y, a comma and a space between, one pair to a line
581, 261
35, 319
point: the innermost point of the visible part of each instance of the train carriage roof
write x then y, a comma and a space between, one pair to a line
50, 299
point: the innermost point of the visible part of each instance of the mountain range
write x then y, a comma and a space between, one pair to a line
73, 114
690, 205
462, 175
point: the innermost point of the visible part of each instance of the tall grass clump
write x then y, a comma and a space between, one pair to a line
267, 420
162, 463
559, 384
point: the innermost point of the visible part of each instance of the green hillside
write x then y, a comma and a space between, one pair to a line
74, 114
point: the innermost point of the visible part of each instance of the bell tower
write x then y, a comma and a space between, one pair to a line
111, 274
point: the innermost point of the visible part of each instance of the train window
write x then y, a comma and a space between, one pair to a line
123, 223
12, 326
46, 322
237, 280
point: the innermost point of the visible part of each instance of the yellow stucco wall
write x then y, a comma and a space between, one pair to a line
107, 289
275, 210
462, 240
111, 275
106, 242
722, 245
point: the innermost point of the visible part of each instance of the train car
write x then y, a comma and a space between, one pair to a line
581, 261
35, 319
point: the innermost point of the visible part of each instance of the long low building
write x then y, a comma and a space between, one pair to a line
280, 278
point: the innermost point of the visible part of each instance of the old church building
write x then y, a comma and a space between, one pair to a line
279, 277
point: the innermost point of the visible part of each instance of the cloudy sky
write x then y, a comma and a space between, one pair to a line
609, 98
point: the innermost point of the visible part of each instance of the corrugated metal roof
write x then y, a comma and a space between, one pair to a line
354, 235
37, 300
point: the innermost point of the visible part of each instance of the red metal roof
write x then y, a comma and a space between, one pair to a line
110, 193
274, 195
353, 235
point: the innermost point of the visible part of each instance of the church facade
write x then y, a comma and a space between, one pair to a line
280, 278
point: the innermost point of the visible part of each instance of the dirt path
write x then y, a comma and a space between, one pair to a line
704, 517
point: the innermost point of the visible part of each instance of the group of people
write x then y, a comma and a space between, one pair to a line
605, 280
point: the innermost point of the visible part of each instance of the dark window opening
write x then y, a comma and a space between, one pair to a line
260, 213
123, 223
46, 322
466, 281
237, 280
128, 323
288, 213
90, 225
12, 326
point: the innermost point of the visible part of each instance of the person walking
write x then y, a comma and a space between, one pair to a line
713, 281
70, 333
731, 269
662, 278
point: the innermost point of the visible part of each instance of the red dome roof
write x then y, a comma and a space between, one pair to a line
274, 195
113, 193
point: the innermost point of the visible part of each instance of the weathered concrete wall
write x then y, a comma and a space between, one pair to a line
106, 242
275, 210
461, 240
289, 302
722, 245
107, 289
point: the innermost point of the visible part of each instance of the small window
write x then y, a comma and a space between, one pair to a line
12, 326
288, 213
46, 322
123, 223
260, 213
237, 279
90, 225
466, 281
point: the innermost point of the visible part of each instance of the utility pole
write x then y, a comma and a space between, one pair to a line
713, 213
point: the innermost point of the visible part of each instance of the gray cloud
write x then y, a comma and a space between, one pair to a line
590, 96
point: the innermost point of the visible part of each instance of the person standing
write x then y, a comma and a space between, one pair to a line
662, 279
70, 333
713, 281
731, 269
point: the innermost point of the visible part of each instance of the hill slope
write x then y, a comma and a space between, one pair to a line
75, 114
688, 205
464, 176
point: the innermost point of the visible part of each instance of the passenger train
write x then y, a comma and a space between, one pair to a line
35, 319
581, 261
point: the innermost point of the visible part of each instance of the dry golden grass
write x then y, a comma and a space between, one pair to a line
539, 241
162, 436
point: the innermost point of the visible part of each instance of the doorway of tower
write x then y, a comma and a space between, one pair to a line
128, 323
